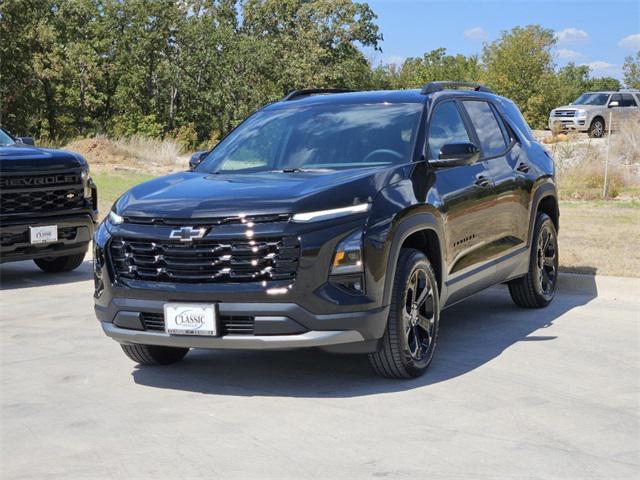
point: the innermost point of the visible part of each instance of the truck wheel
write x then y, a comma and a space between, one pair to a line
410, 340
154, 354
538, 287
60, 264
596, 129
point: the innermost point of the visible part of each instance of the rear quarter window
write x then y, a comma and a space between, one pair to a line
515, 118
489, 131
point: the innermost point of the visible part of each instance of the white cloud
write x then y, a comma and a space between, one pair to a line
571, 35
475, 33
566, 54
630, 41
600, 66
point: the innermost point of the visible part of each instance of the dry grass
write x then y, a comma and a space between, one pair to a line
580, 164
600, 237
135, 154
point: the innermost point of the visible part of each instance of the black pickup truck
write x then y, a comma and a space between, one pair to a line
48, 205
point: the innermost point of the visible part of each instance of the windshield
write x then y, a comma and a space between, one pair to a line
592, 99
5, 139
319, 137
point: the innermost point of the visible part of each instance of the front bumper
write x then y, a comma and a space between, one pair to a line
275, 326
74, 235
568, 124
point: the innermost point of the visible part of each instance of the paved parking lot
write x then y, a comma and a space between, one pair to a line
512, 394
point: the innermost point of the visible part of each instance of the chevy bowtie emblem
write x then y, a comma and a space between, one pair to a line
187, 234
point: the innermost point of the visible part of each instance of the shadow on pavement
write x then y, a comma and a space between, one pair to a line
471, 334
26, 275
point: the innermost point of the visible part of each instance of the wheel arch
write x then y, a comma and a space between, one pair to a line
545, 200
422, 232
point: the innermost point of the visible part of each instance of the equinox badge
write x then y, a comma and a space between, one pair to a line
187, 234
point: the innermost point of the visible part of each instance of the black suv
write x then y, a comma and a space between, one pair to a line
48, 205
340, 220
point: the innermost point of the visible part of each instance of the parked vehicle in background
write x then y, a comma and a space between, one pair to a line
48, 205
591, 111
339, 220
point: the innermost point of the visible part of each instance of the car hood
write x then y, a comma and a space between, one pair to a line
18, 158
190, 195
580, 107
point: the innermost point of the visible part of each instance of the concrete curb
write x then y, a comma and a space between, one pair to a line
619, 288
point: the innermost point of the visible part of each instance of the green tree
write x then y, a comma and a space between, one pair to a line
631, 69
519, 65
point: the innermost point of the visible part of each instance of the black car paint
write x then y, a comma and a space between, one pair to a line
32, 164
475, 221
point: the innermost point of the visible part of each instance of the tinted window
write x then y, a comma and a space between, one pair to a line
487, 127
5, 139
318, 137
515, 117
628, 100
446, 126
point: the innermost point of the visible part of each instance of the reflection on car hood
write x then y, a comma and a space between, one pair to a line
18, 158
201, 195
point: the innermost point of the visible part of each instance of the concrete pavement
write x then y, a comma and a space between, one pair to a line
512, 394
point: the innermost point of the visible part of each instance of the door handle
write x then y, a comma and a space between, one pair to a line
522, 167
482, 181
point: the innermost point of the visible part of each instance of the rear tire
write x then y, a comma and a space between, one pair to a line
154, 354
60, 264
410, 339
538, 287
596, 129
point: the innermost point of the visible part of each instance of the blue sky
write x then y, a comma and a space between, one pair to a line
598, 33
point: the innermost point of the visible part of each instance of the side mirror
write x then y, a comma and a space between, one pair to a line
196, 158
26, 140
456, 154
615, 103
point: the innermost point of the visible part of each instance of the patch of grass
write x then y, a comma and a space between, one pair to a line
113, 184
600, 237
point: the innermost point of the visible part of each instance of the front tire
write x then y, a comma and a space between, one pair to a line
154, 354
410, 339
60, 264
596, 129
538, 287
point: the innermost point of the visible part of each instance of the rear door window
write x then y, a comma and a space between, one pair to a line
489, 131
628, 100
446, 126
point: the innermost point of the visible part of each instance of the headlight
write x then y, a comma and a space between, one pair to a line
114, 218
348, 255
553, 113
581, 113
330, 214
86, 182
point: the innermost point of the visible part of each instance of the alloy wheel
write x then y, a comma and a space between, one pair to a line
547, 259
419, 315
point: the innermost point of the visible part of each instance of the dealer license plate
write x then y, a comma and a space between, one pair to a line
46, 234
190, 319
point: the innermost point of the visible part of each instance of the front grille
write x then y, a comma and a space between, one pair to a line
564, 113
8, 239
229, 324
37, 201
203, 261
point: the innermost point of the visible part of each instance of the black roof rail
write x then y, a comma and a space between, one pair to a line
314, 91
438, 86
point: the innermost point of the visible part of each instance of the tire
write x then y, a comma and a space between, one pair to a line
538, 287
60, 264
410, 339
596, 129
154, 354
